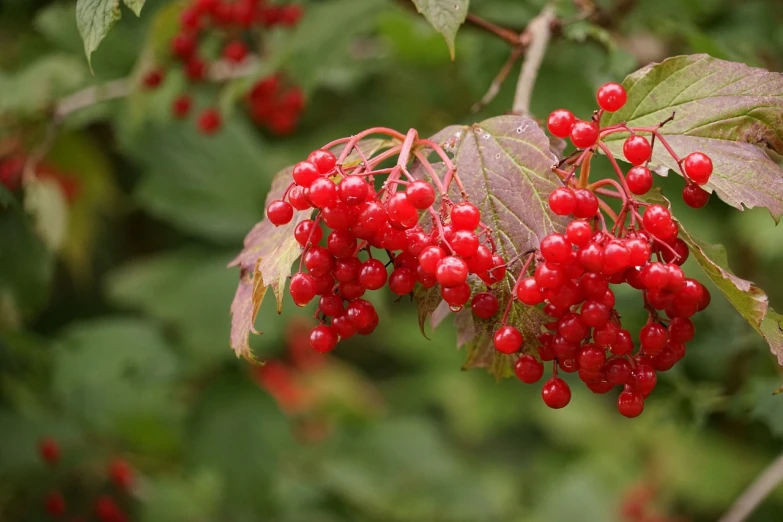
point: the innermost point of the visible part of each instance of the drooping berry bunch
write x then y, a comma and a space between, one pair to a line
238, 26
352, 218
106, 508
575, 270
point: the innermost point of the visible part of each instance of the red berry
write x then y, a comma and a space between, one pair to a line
319, 261
465, 216
195, 69
630, 404
456, 296
343, 327
153, 79
484, 305
579, 233
606, 335
694, 196
624, 344
298, 198
617, 371
121, 473
617, 257
55, 504
698, 167
560, 122
302, 289
235, 51
420, 194
639, 180
107, 510
209, 121
351, 290
181, 106
372, 274
361, 313
340, 243
331, 305
401, 211
653, 338
591, 357
705, 299
529, 292
353, 190
586, 204
611, 97
555, 248
507, 339
549, 276
451, 271
280, 212
288, 15
637, 149
584, 134
657, 220
571, 328
681, 330
49, 450
638, 250
304, 173
323, 338
643, 379
464, 242
323, 160
594, 314
691, 291
556, 393
323, 193
562, 201
308, 232
183, 46
528, 369
402, 280
338, 216
591, 257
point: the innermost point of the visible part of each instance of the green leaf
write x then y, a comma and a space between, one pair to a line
446, 16
94, 18
505, 163
730, 111
36, 87
46, 204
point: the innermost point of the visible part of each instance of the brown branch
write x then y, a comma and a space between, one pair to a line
536, 35
512, 37
756, 492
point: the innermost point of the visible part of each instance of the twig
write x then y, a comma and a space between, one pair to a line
539, 31
756, 492
506, 34
91, 96
494, 87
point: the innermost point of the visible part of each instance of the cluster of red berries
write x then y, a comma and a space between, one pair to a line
356, 218
575, 270
106, 508
236, 24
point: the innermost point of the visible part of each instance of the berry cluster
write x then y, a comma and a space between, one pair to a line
237, 25
106, 508
575, 270
340, 266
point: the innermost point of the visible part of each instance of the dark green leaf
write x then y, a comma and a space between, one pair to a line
446, 16
94, 18
727, 110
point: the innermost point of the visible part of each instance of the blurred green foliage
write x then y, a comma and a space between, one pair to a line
117, 343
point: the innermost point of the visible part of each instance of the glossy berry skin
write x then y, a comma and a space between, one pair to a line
353, 190
304, 173
323, 338
637, 150
49, 450
586, 203
698, 167
656, 220
372, 274
298, 198
555, 248
507, 339
464, 243
484, 305
630, 404
579, 233
562, 201
280, 212
556, 393
209, 121
528, 369
611, 97
323, 192
420, 194
308, 232
451, 271
694, 196
323, 160
639, 180
584, 134
402, 281
560, 122
465, 216
302, 289
456, 296
528, 291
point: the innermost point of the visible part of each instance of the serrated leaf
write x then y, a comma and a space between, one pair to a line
95, 18
505, 164
728, 110
446, 16
749, 300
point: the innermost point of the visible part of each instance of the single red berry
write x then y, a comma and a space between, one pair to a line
653, 338
121, 473
639, 180
611, 97
338, 216
555, 248
280, 212
305, 172
340, 243
465, 243
55, 504
183, 46
343, 327
681, 330
507, 339
456, 296
562, 201
361, 313
351, 290
549, 276
323, 338
402, 280
400, 211
624, 344
591, 357
302, 289
331, 305
639, 251
107, 510
195, 69
465, 216
323, 192
372, 275
451, 271
190, 18
319, 261
323, 160
308, 232
298, 198
420, 194
353, 190
560, 122
586, 203
571, 328
209, 121
643, 379
657, 220
484, 305
694, 196
594, 314
49, 450
591, 257
617, 257
529, 292
528, 369
654, 276
617, 371
630, 404
235, 51
698, 167
704, 300
288, 15
637, 149
556, 393
584, 134
153, 79
579, 233
181, 106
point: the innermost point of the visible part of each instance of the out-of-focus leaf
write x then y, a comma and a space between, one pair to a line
37, 86
45, 203
727, 110
505, 164
111, 370
175, 499
55, 23
766, 405
94, 18
446, 16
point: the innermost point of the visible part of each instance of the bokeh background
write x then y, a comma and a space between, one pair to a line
114, 305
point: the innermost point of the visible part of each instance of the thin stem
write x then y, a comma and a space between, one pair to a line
522, 272
608, 210
431, 171
497, 82
616, 167
584, 171
501, 32
756, 492
539, 31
